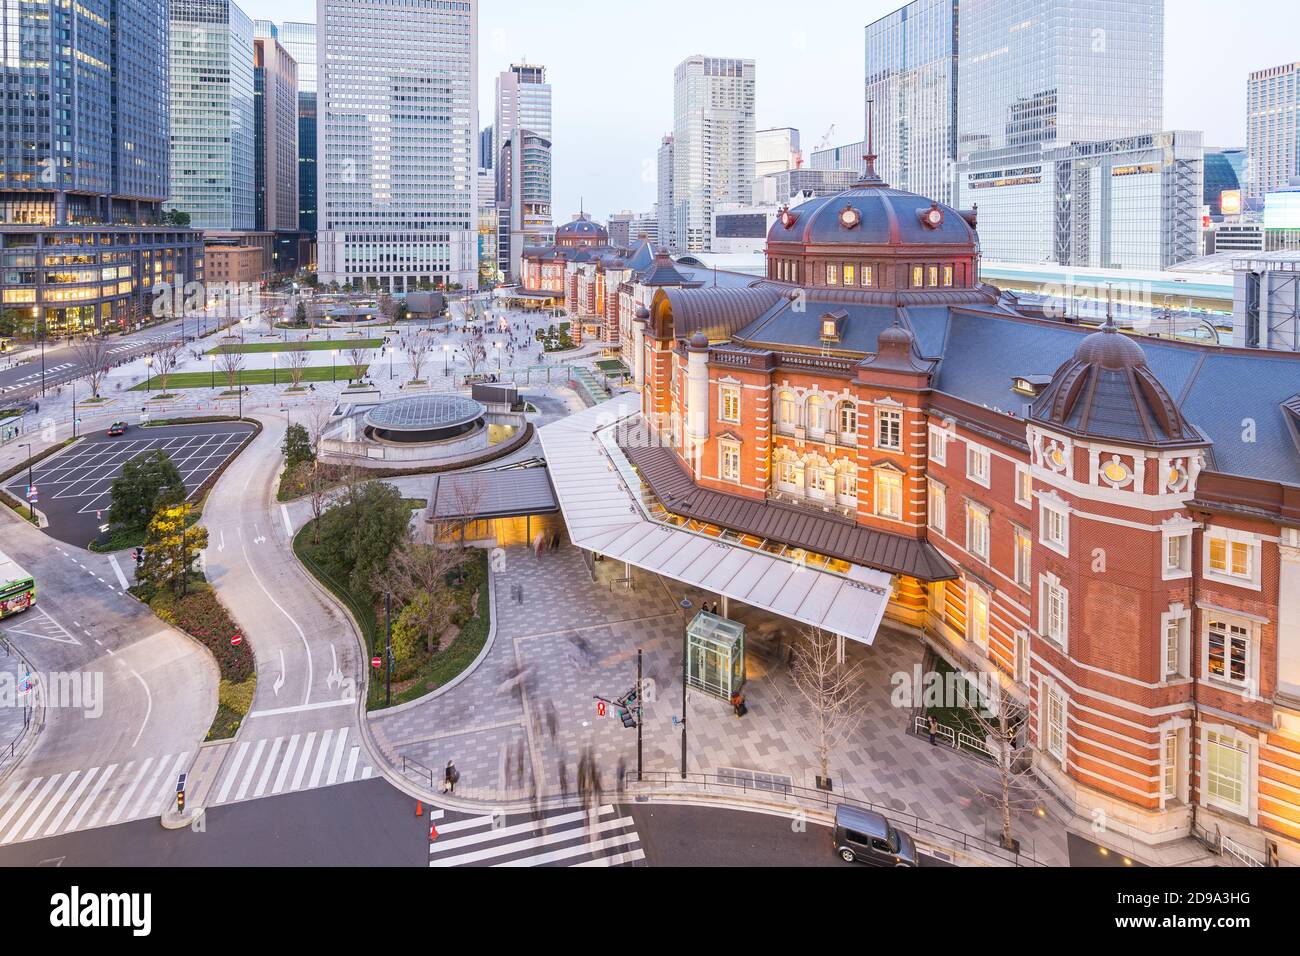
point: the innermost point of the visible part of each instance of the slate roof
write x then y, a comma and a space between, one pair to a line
821, 533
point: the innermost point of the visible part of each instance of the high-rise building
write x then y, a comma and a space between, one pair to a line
275, 86
1225, 173
487, 228
522, 129
666, 208
776, 150
84, 169
1273, 128
212, 115
397, 142
300, 40
912, 89
1059, 136
620, 228
847, 157
486, 151
713, 143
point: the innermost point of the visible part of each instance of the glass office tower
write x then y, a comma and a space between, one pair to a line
396, 143
300, 40
212, 114
912, 92
82, 181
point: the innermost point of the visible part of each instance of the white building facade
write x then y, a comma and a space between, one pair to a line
1272, 128
713, 143
398, 143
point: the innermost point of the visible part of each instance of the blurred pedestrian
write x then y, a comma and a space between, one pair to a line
450, 778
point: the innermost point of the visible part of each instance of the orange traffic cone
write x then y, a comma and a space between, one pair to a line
419, 808
433, 834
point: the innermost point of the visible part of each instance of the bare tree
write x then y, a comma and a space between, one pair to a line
1003, 725
830, 691
231, 363
417, 576
357, 359
297, 358
416, 346
92, 353
165, 361
475, 352
467, 494
314, 311
388, 308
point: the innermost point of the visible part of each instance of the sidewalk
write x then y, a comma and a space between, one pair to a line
18, 723
571, 640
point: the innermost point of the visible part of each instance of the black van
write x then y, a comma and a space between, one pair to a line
865, 837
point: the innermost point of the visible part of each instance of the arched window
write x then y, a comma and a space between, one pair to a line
848, 419
787, 411
816, 415
846, 486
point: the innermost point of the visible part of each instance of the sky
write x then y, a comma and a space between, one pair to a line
611, 66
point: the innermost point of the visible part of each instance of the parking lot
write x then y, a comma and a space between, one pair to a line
73, 488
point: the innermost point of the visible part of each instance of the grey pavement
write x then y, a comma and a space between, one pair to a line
574, 638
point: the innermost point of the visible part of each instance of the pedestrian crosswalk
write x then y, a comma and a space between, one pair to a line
272, 766
33, 808
566, 837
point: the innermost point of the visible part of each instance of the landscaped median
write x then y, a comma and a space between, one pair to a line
307, 345
441, 609
342, 372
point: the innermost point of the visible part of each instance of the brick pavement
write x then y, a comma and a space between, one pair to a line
572, 638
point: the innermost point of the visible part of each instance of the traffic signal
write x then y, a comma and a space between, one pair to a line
138, 554
180, 801
627, 706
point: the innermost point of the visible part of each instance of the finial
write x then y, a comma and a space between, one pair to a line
869, 176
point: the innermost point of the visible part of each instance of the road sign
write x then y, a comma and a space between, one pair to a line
376, 663
236, 641
600, 708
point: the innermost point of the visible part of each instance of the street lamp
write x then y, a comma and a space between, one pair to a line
498, 346
148, 364
37, 317
274, 367
334, 354
446, 360
212, 364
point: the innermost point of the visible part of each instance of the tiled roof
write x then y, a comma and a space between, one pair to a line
821, 533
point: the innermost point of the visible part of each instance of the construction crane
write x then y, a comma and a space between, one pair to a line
799, 157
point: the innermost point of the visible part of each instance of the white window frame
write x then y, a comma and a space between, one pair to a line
938, 446
1050, 512
1177, 543
1232, 539
895, 417
1175, 643
726, 451
1024, 495
846, 419
1023, 658
982, 476
1022, 539
1054, 611
815, 412
792, 422
895, 480
1235, 630
1214, 744
849, 500
728, 393
1055, 721
973, 509
936, 506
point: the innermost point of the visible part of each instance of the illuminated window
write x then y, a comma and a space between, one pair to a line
936, 505
730, 395
918, 277
868, 276
1225, 772
1229, 651
850, 276
933, 273
1024, 547
889, 494
947, 275
730, 464
977, 531
889, 430
832, 274
1232, 558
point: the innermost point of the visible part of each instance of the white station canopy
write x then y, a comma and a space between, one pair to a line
604, 516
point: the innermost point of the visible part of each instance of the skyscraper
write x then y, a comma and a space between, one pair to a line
300, 40
665, 208
83, 167
275, 83
912, 89
521, 138
486, 151
1272, 128
397, 142
1059, 136
776, 150
523, 100
713, 143
212, 114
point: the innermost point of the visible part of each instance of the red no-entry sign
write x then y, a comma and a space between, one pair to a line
236, 641
376, 663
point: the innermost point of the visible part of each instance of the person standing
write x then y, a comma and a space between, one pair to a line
452, 777
934, 731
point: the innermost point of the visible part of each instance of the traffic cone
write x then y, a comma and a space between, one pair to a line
419, 808
433, 834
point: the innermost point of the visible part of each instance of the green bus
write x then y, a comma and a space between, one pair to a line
17, 587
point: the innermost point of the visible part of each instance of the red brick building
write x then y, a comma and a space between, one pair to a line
1110, 525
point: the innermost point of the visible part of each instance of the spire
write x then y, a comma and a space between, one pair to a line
869, 176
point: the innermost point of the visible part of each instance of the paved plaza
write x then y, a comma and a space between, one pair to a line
563, 639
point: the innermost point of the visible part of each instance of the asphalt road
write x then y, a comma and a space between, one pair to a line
73, 486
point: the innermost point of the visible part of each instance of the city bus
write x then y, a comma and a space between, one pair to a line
17, 587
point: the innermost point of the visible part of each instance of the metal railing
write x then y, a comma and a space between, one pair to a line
956, 739
949, 837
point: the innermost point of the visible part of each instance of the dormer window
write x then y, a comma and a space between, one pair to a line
832, 325
1030, 386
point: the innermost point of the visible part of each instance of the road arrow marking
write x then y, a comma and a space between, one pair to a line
279, 681
222, 545
260, 539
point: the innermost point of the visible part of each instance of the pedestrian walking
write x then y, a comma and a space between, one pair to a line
451, 778
552, 719
934, 731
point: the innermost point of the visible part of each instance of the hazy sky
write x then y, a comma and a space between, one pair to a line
611, 66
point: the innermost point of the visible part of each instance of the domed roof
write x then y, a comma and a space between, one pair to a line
1106, 390
582, 228
873, 214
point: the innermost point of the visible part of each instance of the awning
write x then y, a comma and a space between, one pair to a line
604, 515
509, 493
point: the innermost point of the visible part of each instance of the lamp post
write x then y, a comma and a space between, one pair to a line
212, 365
31, 507
334, 354
39, 318
74, 408
686, 606
446, 360
148, 364
498, 346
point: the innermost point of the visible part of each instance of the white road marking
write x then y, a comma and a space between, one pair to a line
90, 800
305, 708
72, 800
306, 646
284, 767
338, 758
320, 760
252, 768
288, 525
581, 849
49, 807
302, 762
148, 706
130, 791
270, 765
352, 764
231, 773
